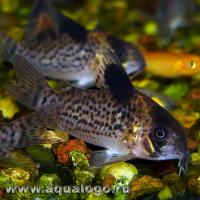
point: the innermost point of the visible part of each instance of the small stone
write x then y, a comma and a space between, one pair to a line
49, 180
165, 194
83, 175
8, 107
63, 150
40, 154
144, 185
13, 177
102, 196
117, 174
195, 157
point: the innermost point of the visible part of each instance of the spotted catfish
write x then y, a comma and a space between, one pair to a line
62, 49
28, 130
123, 120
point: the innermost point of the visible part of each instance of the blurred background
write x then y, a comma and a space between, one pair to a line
149, 23
156, 25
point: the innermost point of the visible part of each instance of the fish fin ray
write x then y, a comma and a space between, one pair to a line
32, 89
35, 127
30, 130
113, 76
103, 157
122, 48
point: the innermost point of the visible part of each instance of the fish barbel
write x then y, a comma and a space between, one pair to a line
64, 50
120, 118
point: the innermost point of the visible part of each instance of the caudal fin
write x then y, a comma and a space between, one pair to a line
32, 89
8, 47
29, 130
32, 129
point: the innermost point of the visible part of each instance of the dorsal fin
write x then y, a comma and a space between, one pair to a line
44, 22
41, 23
112, 75
69, 26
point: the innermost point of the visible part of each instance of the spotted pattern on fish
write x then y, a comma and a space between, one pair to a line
28, 130
143, 115
67, 51
64, 58
100, 119
133, 126
62, 49
8, 47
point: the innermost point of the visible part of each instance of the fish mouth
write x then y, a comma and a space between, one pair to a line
183, 163
182, 157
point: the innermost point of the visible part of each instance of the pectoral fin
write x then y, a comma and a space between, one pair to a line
103, 157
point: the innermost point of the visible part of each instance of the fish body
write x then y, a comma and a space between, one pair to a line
27, 131
172, 64
64, 50
121, 119
173, 14
66, 59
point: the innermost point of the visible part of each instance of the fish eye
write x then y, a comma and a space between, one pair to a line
160, 133
192, 64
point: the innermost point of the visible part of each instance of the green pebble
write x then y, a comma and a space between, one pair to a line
8, 107
79, 159
195, 158
176, 90
81, 170
93, 196
49, 180
122, 171
165, 194
20, 196
151, 28
13, 177
119, 195
40, 154
83, 177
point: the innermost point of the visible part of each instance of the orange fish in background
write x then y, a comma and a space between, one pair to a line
171, 64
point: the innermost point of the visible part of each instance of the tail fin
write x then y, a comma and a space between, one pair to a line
32, 89
33, 127
8, 47
29, 130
